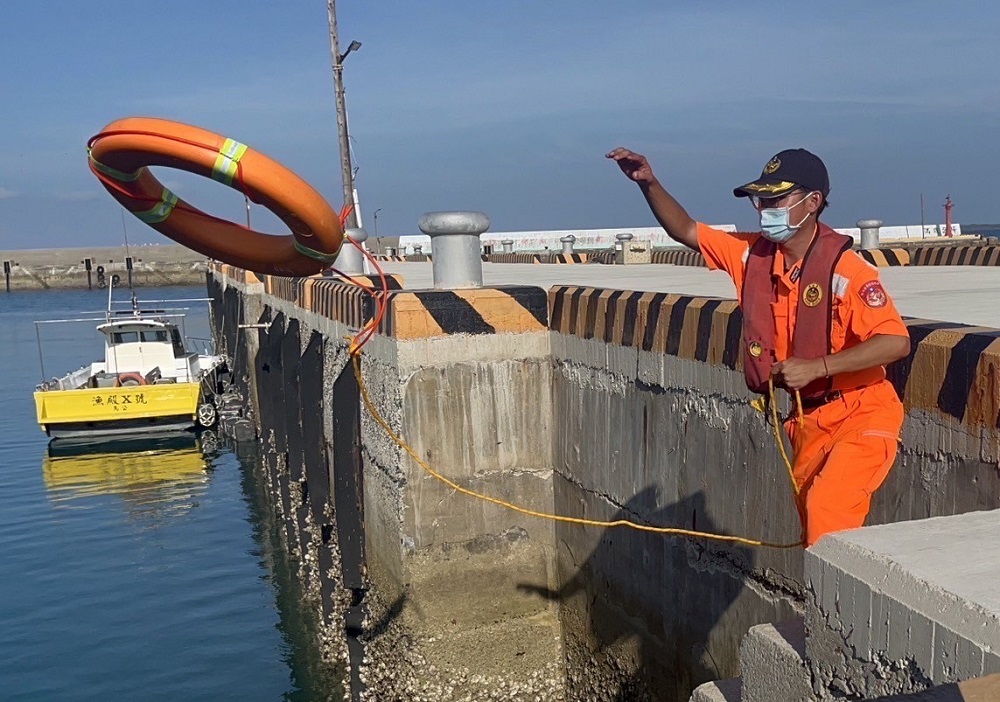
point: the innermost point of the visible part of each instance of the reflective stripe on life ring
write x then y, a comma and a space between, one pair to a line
120, 156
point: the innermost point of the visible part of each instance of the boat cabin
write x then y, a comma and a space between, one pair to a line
148, 348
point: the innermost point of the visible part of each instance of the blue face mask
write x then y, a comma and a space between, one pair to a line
774, 223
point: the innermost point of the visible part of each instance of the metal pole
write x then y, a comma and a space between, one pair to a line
41, 361
338, 85
923, 229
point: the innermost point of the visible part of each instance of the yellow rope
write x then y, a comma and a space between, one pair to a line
355, 359
776, 425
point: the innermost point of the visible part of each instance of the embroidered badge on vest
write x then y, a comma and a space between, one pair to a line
873, 294
812, 295
755, 349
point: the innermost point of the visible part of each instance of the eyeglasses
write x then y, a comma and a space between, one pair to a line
764, 203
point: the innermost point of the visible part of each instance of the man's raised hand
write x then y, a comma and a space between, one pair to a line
633, 165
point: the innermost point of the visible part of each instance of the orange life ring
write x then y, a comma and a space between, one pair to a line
121, 153
122, 377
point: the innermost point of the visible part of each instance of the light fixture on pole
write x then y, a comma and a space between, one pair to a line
338, 83
353, 46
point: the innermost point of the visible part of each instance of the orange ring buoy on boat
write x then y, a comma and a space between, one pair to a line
122, 152
122, 377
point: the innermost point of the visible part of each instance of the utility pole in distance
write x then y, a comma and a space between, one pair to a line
338, 84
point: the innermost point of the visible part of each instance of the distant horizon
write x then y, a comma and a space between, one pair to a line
966, 229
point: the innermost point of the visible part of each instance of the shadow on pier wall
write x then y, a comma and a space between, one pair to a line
654, 654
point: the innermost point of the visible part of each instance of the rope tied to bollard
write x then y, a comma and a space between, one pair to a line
364, 335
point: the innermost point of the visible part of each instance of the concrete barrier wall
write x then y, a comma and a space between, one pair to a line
447, 581
656, 425
901, 607
595, 404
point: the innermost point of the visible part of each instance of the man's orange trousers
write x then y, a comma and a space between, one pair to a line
842, 453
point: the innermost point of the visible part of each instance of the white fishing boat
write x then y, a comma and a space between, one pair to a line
151, 381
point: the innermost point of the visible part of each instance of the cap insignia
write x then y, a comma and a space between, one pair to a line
769, 187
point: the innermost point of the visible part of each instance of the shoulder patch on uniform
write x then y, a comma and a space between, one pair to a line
873, 294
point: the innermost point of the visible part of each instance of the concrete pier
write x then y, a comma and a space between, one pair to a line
598, 403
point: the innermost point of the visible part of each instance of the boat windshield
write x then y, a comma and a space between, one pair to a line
147, 336
175, 337
129, 337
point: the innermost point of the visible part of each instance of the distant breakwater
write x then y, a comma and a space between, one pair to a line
96, 267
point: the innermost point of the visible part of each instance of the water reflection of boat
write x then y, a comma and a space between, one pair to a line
160, 473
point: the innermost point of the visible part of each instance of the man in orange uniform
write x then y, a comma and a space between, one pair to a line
815, 320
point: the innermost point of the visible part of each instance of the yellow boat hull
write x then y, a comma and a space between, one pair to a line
122, 410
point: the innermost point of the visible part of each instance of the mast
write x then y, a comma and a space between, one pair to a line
338, 83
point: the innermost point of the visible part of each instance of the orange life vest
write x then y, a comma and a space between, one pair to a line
813, 319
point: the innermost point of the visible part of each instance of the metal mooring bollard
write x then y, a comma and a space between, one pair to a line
508, 245
622, 239
455, 243
869, 233
567, 243
350, 260
418, 249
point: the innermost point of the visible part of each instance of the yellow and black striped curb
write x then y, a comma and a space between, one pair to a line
513, 258
566, 258
952, 368
677, 257
416, 314
956, 256
606, 257
412, 258
502, 310
696, 328
240, 275
886, 257
536, 258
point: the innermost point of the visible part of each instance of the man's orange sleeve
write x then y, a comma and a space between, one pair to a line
872, 310
723, 250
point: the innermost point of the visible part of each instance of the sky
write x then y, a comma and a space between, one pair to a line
508, 107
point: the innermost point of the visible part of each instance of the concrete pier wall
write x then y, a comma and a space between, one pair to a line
439, 588
594, 404
654, 424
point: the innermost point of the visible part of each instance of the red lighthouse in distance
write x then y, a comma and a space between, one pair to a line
947, 216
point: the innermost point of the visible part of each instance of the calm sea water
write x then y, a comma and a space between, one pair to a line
147, 575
